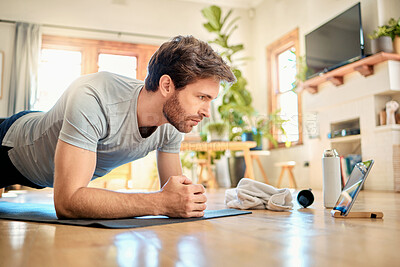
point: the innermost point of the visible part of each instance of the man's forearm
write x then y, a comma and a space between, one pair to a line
100, 203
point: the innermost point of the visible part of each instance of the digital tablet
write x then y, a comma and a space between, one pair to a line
353, 187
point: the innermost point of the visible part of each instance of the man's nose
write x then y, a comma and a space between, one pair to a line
206, 111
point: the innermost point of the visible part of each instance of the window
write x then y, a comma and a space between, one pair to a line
57, 68
124, 65
282, 69
63, 59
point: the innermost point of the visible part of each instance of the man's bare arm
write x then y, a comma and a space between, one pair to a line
74, 168
168, 164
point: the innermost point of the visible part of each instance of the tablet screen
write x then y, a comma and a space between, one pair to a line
353, 186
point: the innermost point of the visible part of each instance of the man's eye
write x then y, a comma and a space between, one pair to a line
201, 97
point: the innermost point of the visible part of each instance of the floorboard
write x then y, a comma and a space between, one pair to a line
301, 237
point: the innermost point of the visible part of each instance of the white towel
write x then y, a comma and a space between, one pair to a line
250, 194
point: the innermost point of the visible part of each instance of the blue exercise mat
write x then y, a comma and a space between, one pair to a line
46, 213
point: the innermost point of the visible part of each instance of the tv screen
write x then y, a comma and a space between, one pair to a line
335, 43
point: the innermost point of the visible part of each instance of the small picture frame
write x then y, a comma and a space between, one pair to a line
1, 72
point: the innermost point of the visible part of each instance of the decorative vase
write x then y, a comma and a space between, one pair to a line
382, 44
396, 44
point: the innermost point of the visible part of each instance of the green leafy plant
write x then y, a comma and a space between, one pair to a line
236, 109
236, 99
302, 71
186, 162
220, 128
394, 27
265, 125
391, 29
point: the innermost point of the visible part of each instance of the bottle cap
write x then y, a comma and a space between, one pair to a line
330, 153
305, 198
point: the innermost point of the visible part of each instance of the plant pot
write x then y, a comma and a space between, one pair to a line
237, 167
214, 137
222, 172
251, 136
396, 44
382, 44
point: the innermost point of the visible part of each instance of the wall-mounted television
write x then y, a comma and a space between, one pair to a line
338, 42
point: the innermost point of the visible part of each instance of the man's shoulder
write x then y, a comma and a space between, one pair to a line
110, 87
107, 79
171, 138
110, 76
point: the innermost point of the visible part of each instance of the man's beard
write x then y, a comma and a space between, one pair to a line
176, 115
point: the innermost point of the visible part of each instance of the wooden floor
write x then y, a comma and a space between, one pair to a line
302, 237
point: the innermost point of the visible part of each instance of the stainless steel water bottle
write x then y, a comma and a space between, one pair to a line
332, 186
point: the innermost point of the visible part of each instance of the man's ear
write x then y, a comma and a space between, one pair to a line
166, 86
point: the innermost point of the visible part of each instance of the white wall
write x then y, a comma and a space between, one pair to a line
149, 17
388, 9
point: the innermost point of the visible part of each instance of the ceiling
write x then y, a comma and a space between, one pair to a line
229, 3
226, 3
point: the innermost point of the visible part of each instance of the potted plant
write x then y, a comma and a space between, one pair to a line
253, 134
259, 127
394, 29
236, 99
217, 131
382, 39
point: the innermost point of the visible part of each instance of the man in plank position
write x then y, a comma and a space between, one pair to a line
104, 120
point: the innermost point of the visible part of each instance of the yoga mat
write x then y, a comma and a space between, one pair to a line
46, 213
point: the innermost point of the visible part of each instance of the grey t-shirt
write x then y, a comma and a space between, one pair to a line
98, 112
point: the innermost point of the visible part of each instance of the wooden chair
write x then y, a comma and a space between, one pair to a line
287, 166
255, 155
209, 147
211, 181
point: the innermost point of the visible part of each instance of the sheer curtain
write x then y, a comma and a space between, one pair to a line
23, 83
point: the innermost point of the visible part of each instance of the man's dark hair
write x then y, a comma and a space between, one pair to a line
186, 59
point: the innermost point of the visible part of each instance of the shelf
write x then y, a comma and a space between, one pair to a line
345, 139
348, 124
384, 128
364, 66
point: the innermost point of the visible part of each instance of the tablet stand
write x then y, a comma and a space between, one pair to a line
357, 214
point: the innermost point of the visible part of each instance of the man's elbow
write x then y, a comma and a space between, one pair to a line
64, 209
63, 212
